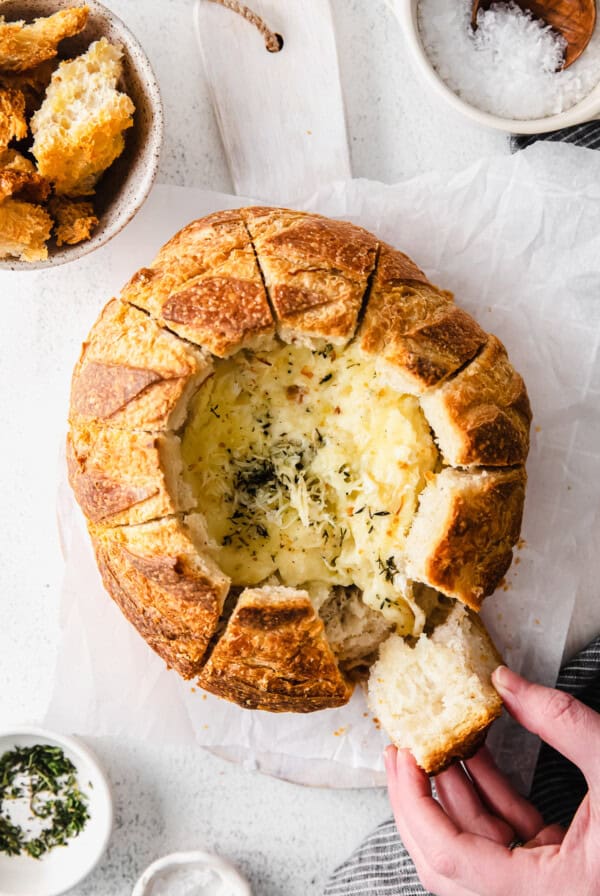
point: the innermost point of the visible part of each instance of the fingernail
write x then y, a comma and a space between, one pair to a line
503, 679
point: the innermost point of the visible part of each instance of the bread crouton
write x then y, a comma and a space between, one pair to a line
10, 158
24, 229
32, 83
26, 185
23, 46
13, 124
74, 221
78, 130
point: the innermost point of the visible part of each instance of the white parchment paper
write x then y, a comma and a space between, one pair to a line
518, 240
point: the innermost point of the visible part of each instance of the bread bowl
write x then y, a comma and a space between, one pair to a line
293, 450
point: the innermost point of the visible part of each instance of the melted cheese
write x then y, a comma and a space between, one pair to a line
306, 465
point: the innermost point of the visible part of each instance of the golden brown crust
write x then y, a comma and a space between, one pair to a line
464, 746
13, 124
32, 83
205, 285
74, 221
274, 656
482, 415
24, 229
316, 271
121, 477
415, 328
467, 524
170, 592
27, 186
24, 46
133, 374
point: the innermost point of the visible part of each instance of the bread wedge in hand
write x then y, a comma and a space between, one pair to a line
436, 698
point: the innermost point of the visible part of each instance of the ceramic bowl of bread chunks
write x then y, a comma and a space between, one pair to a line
302, 467
81, 128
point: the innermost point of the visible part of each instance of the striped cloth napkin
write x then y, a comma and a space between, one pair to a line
381, 866
587, 134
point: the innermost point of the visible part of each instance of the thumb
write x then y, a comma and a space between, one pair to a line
558, 718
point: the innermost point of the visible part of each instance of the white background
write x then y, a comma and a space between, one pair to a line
284, 837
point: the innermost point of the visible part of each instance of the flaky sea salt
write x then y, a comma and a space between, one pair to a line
508, 66
190, 881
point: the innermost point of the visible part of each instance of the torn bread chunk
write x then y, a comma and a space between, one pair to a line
15, 161
25, 185
32, 83
24, 46
24, 229
78, 130
436, 698
74, 221
13, 124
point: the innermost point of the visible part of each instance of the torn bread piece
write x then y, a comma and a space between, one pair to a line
78, 130
436, 698
28, 186
15, 161
74, 221
24, 46
13, 124
32, 83
24, 229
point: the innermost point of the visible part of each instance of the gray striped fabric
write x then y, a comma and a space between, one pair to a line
581, 134
381, 865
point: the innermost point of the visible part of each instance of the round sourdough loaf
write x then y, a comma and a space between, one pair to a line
291, 448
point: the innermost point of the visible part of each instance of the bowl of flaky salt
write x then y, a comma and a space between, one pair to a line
507, 73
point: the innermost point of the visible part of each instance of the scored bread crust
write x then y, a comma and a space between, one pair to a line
234, 280
205, 285
133, 374
274, 655
462, 537
481, 417
124, 477
316, 272
165, 584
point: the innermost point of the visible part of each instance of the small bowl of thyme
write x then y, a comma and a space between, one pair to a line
55, 812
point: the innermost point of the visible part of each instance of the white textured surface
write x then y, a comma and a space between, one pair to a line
285, 838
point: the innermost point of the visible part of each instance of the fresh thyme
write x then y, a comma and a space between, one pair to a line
387, 568
44, 777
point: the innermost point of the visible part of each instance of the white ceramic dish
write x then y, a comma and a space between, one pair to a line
232, 882
586, 110
64, 866
124, 187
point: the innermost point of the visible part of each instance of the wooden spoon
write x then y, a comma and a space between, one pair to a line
573, 19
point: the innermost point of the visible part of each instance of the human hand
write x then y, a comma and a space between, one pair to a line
460, 846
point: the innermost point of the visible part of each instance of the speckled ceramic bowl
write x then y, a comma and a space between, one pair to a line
125, 185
